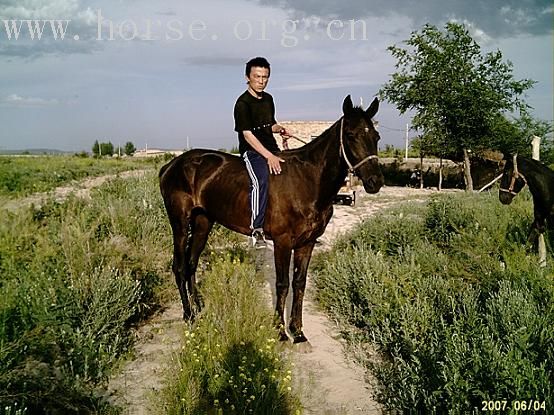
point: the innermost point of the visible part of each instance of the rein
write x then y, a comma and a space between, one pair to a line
515, 175
343, 153
351, 168
285, 139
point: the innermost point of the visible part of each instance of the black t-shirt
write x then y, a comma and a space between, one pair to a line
256, 115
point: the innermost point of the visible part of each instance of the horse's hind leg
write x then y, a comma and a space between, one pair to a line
200, 230
180, 228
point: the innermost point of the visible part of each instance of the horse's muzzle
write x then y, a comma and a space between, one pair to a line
505, 198
374, 184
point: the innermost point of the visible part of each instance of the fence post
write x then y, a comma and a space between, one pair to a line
536, 143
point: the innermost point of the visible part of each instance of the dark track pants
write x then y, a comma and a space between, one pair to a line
256, 165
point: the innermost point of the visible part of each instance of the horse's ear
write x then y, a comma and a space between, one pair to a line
373, 108
347, 105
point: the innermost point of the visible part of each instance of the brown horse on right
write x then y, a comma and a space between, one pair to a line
201, 187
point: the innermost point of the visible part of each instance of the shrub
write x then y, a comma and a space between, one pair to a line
75, 276
228, 362
462, 315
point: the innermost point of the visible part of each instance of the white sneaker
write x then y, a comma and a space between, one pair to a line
258, 238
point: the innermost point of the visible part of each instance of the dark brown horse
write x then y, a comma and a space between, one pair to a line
520, 171
201, 187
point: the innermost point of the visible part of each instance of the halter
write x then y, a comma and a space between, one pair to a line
515, 175
343, 153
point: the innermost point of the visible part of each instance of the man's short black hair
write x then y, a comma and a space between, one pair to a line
258, 62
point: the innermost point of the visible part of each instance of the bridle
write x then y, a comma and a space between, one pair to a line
343, 153
515, 175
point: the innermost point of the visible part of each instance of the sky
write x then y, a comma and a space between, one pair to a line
161, 73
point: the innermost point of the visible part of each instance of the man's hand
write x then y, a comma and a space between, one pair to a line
274, 164
284, 132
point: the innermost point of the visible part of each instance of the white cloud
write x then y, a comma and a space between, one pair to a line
14, 100
39, 9
478, 34
76, 19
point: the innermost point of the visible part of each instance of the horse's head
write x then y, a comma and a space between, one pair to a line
359, 144
512, 180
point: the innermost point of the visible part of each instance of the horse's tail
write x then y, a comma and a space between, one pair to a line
164, 168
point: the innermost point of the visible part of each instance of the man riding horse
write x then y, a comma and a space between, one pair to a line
255, 124
201, 187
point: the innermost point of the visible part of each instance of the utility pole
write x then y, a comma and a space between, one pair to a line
536, 143
407, 140
188, 143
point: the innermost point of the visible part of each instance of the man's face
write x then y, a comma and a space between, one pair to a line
258, 78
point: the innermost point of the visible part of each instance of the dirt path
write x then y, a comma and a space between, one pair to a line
328, 382
80, 189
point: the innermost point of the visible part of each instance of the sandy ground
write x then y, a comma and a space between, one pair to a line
328, 382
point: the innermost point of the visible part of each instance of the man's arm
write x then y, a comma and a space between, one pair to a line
272, 160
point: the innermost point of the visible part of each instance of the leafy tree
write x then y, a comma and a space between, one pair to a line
96, 149
529, 127
130, 148
456, 92
107, 149
515, 135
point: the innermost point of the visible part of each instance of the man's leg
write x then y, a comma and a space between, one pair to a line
256, 165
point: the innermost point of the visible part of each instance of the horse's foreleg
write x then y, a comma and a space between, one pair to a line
200, 230
537, 228
302, 258
282, 262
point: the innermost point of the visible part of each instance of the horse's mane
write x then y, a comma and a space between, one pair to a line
539, 166
305, 151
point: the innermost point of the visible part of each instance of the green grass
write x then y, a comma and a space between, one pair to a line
229, 363
21, 176
448, 295
75, 277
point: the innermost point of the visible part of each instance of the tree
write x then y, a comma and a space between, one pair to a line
515, 135
528, 127
456, 92
130, 148
96, 149
106, 149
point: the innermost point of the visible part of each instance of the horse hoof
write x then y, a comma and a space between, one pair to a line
300, 338
283, 337
188, 315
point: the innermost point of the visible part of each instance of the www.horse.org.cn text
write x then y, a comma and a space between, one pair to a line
288, 32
